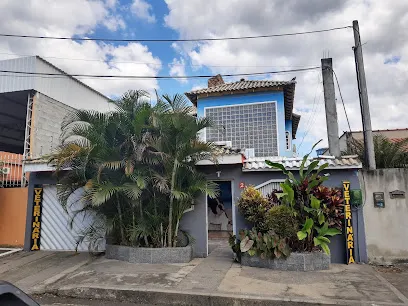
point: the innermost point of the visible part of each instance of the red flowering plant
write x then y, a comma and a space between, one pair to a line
333, 204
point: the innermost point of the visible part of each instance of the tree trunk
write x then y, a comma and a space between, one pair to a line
176, 233
122, 231
173, 183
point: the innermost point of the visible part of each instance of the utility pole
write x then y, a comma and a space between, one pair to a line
363, 95
330, 106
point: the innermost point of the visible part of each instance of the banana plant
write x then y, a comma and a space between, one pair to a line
312, 230
311, 175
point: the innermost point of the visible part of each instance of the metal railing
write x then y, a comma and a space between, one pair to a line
269, 186
11, 170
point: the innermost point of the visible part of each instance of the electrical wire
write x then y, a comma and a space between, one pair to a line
342, 101
171, 40
148, 63
155, 77
315, 106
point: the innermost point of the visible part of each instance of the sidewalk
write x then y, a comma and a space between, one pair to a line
216, 280
28, 270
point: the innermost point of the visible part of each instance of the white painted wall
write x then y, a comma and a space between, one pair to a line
386, 228
63, 88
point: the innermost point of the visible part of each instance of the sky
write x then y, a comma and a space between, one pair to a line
383, 28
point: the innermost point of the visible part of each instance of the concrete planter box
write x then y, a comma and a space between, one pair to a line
295, 262
149, 255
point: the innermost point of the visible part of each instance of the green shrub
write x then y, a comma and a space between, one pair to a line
264, 245
254, 207
281, 220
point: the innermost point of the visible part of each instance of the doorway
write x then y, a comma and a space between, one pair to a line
219, 211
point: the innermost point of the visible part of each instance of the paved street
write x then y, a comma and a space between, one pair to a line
48, 300
215, 280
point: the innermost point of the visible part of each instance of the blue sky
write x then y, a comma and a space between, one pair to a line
385, 57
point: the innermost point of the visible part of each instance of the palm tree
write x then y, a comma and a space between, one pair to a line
135, 165
183, 149
388, 154
102, 151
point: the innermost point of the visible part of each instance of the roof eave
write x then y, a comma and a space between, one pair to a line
295, 124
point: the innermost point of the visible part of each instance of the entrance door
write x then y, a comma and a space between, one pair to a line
220, 212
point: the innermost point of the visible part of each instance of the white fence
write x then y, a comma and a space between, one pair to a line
11, 170
269, 186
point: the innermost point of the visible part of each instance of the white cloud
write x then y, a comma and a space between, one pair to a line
178, 68
386, 83
143, 10
42, 17
111, 3
114, 23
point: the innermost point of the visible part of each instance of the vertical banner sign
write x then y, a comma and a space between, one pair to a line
36, 225
348, 224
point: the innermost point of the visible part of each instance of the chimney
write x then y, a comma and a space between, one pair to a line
215, 81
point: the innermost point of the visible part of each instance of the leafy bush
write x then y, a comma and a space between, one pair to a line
235, 246
266, 245
332, 205
254, 207
282, 221
320, 218
273, 198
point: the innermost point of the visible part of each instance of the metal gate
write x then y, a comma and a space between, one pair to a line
57, 233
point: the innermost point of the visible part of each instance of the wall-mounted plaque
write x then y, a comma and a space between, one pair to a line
397, 194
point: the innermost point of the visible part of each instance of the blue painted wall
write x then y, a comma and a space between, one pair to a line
252, 98
337, 246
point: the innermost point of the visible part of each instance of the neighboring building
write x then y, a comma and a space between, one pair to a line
35, 97
394, 135
255, 116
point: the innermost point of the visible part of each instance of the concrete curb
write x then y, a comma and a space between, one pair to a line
160, 297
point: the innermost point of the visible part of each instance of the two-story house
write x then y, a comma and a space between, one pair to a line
253, 121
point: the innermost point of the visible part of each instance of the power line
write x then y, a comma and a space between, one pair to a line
148, 63
155, 77
171, 40
342, 101
312, 117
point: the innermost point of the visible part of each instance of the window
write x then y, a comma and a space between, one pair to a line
248, 126
287, 134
